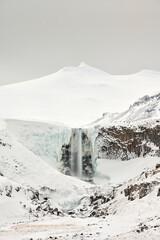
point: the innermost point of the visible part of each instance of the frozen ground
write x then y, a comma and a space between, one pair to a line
67, 228
137, 219
114, 172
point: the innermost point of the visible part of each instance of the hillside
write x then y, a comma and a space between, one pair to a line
75, 95
146, 108
27, 180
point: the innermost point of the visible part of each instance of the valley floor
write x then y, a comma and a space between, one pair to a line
67, 228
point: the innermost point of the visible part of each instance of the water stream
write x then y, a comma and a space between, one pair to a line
76, 152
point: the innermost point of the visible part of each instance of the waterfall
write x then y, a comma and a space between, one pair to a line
79, 160
77, 157
76, 152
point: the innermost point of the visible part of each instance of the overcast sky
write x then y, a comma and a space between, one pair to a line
39, 37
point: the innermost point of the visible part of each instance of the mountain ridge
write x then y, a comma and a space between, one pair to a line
74, 95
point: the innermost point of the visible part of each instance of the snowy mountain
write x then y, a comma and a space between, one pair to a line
75, 95
38, 132
146, 108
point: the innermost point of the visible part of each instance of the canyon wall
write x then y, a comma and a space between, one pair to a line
124, 142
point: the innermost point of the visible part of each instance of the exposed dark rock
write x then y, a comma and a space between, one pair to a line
34, 194
157, 165
18, 189
144, 189
8, 190
96, 202
4, 144
128, 142
158, 194
71, 212
44, 189
142, 228
66, 159
139, 190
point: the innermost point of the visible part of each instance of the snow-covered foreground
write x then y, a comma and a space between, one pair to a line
68, 228
123, 219
38, 202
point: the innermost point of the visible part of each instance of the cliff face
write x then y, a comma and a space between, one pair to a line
128, 142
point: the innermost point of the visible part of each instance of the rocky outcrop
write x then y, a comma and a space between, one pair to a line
128, 142
87, 156
158, 194
141, 190
146, 183
65, 162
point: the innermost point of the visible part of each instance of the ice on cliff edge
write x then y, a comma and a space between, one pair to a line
46, 140
43, 139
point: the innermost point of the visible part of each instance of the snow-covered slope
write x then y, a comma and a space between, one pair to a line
75, 95
146, 110
22, 174
44, 140
128, 211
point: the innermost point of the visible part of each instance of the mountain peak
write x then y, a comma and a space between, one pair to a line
84, 68
84, 65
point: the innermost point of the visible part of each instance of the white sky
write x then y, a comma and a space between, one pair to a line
39, 37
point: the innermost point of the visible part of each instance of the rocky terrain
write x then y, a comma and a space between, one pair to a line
133, 133
132, 206
38, 202
126, 142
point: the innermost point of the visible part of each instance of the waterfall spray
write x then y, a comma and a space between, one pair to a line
77, 155
76, 152
79, 162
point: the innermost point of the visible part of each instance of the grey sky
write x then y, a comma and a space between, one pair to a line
38, 37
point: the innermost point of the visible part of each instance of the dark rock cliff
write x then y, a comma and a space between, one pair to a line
128, 142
